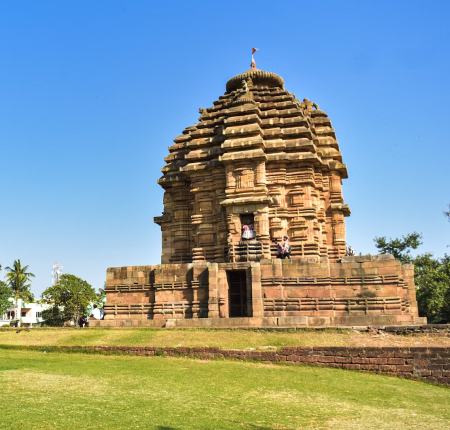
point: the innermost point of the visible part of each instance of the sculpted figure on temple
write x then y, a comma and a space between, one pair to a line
307, 105
202, 112
244, 85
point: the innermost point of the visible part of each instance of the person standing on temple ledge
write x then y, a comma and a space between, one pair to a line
279, 249
287, 248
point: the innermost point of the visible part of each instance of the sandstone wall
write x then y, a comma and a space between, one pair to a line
367, 290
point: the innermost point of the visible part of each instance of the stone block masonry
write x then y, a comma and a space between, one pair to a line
283, 293
423, 363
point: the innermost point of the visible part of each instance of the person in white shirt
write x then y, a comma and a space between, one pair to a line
286, 248
96, 312
279, 248
351, 252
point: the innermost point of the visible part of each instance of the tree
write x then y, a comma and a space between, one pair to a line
432, 279
101, 291
70, 299
399, 248
5, 294
431, 275
101, 295
53, 316
17, 280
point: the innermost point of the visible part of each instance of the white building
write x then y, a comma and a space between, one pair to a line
27, 313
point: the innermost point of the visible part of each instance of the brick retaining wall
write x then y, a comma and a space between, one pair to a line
427, 364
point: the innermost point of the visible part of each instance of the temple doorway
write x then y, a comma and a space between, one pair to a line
237, 293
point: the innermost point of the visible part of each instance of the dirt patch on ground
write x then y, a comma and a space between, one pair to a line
388, 339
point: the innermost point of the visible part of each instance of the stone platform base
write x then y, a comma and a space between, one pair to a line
379, 320
356, 291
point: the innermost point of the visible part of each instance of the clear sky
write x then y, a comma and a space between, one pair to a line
93, 92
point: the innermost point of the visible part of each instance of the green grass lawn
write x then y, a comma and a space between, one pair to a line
224, 338
237, 339
77, 391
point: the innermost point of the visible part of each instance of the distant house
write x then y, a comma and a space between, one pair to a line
29, 314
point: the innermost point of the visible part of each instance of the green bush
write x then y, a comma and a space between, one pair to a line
53, 317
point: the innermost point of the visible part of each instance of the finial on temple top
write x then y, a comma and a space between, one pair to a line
253, 65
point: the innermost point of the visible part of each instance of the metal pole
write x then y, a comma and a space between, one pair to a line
78, 318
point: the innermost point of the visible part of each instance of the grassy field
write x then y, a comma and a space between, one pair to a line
233, 339
73, 391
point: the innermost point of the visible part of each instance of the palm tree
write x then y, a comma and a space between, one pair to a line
17, 279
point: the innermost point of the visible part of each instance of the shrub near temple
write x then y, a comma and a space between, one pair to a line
431, 275
70, 299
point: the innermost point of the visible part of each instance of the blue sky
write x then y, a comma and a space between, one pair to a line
93, 92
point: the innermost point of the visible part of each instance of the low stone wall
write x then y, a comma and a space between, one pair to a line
427, 364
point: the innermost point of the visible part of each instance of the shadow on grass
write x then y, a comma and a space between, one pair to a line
247, 425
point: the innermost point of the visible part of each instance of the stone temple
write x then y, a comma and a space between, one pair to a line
259, 165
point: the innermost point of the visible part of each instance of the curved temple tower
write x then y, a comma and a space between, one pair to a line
259, 165
259, 161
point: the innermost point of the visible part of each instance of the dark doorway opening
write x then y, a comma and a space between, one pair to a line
237, 293
247, 219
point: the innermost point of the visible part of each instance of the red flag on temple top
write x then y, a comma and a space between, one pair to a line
254, 50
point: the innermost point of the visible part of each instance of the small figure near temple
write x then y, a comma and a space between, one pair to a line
280, 249
351, 252
248, 231
248, 226
95, 312
287, 248
82, 321
244, 85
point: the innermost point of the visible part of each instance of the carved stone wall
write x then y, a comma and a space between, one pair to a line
368, 290
257, 151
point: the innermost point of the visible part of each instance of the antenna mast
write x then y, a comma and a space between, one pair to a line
56, 273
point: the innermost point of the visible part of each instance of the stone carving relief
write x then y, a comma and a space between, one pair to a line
202, 112
244, 178
308, 106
